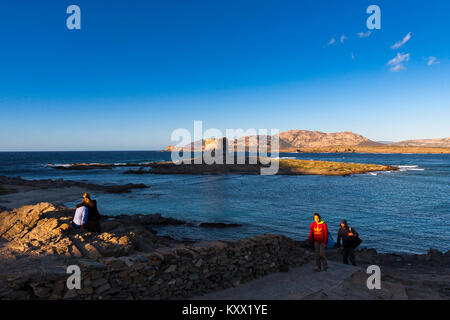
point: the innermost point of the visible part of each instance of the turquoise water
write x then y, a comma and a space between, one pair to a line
405, 211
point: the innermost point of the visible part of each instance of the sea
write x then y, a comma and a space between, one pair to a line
405, 211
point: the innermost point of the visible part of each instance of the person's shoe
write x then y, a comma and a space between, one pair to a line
325, 268
317, 269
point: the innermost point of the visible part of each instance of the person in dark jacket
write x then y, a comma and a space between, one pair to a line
348, 236
93, 219
318, 236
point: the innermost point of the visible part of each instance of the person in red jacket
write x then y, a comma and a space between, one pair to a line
318, 234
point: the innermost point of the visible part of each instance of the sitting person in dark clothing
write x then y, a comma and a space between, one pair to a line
349, 238
93, 218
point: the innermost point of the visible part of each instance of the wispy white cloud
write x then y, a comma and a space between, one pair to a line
343, 38
432, 61
397, 62
333, 40
400, 43
399, 59
364, 35
398, 67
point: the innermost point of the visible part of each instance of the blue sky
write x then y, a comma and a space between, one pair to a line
137, 70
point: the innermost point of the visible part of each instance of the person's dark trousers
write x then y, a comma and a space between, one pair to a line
321, 260
349, 253
75, 226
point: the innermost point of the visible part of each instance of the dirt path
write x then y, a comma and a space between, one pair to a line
297, 284
340, 282
415, 277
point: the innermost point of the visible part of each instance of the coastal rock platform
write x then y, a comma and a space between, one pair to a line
128, 260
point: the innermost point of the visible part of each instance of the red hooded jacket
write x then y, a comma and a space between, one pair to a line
318, 232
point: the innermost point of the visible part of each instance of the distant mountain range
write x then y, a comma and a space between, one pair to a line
298, 139
440, 142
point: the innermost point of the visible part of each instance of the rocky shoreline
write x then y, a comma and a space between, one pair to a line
61, 183
16, 192
128, 260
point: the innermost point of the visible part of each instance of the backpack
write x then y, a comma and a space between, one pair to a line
356, 241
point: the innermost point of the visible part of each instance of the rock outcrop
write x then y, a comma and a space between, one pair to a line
43, 229
127, 260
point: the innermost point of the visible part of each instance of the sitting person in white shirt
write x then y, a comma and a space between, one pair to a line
80, 218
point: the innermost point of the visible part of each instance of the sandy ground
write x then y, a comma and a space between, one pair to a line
26, 195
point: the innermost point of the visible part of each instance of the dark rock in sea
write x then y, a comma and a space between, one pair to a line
148, 219
48, 183
123, 188
140, 171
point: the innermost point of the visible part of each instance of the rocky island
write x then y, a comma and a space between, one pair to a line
249, 165
286, 167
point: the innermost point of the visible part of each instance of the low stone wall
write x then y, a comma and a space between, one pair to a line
169, 273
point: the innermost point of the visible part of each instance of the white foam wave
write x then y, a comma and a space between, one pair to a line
410, 168
284, 158
66, 165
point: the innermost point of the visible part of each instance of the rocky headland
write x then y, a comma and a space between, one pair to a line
291, 139
320, 142
391, 149
433, 143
